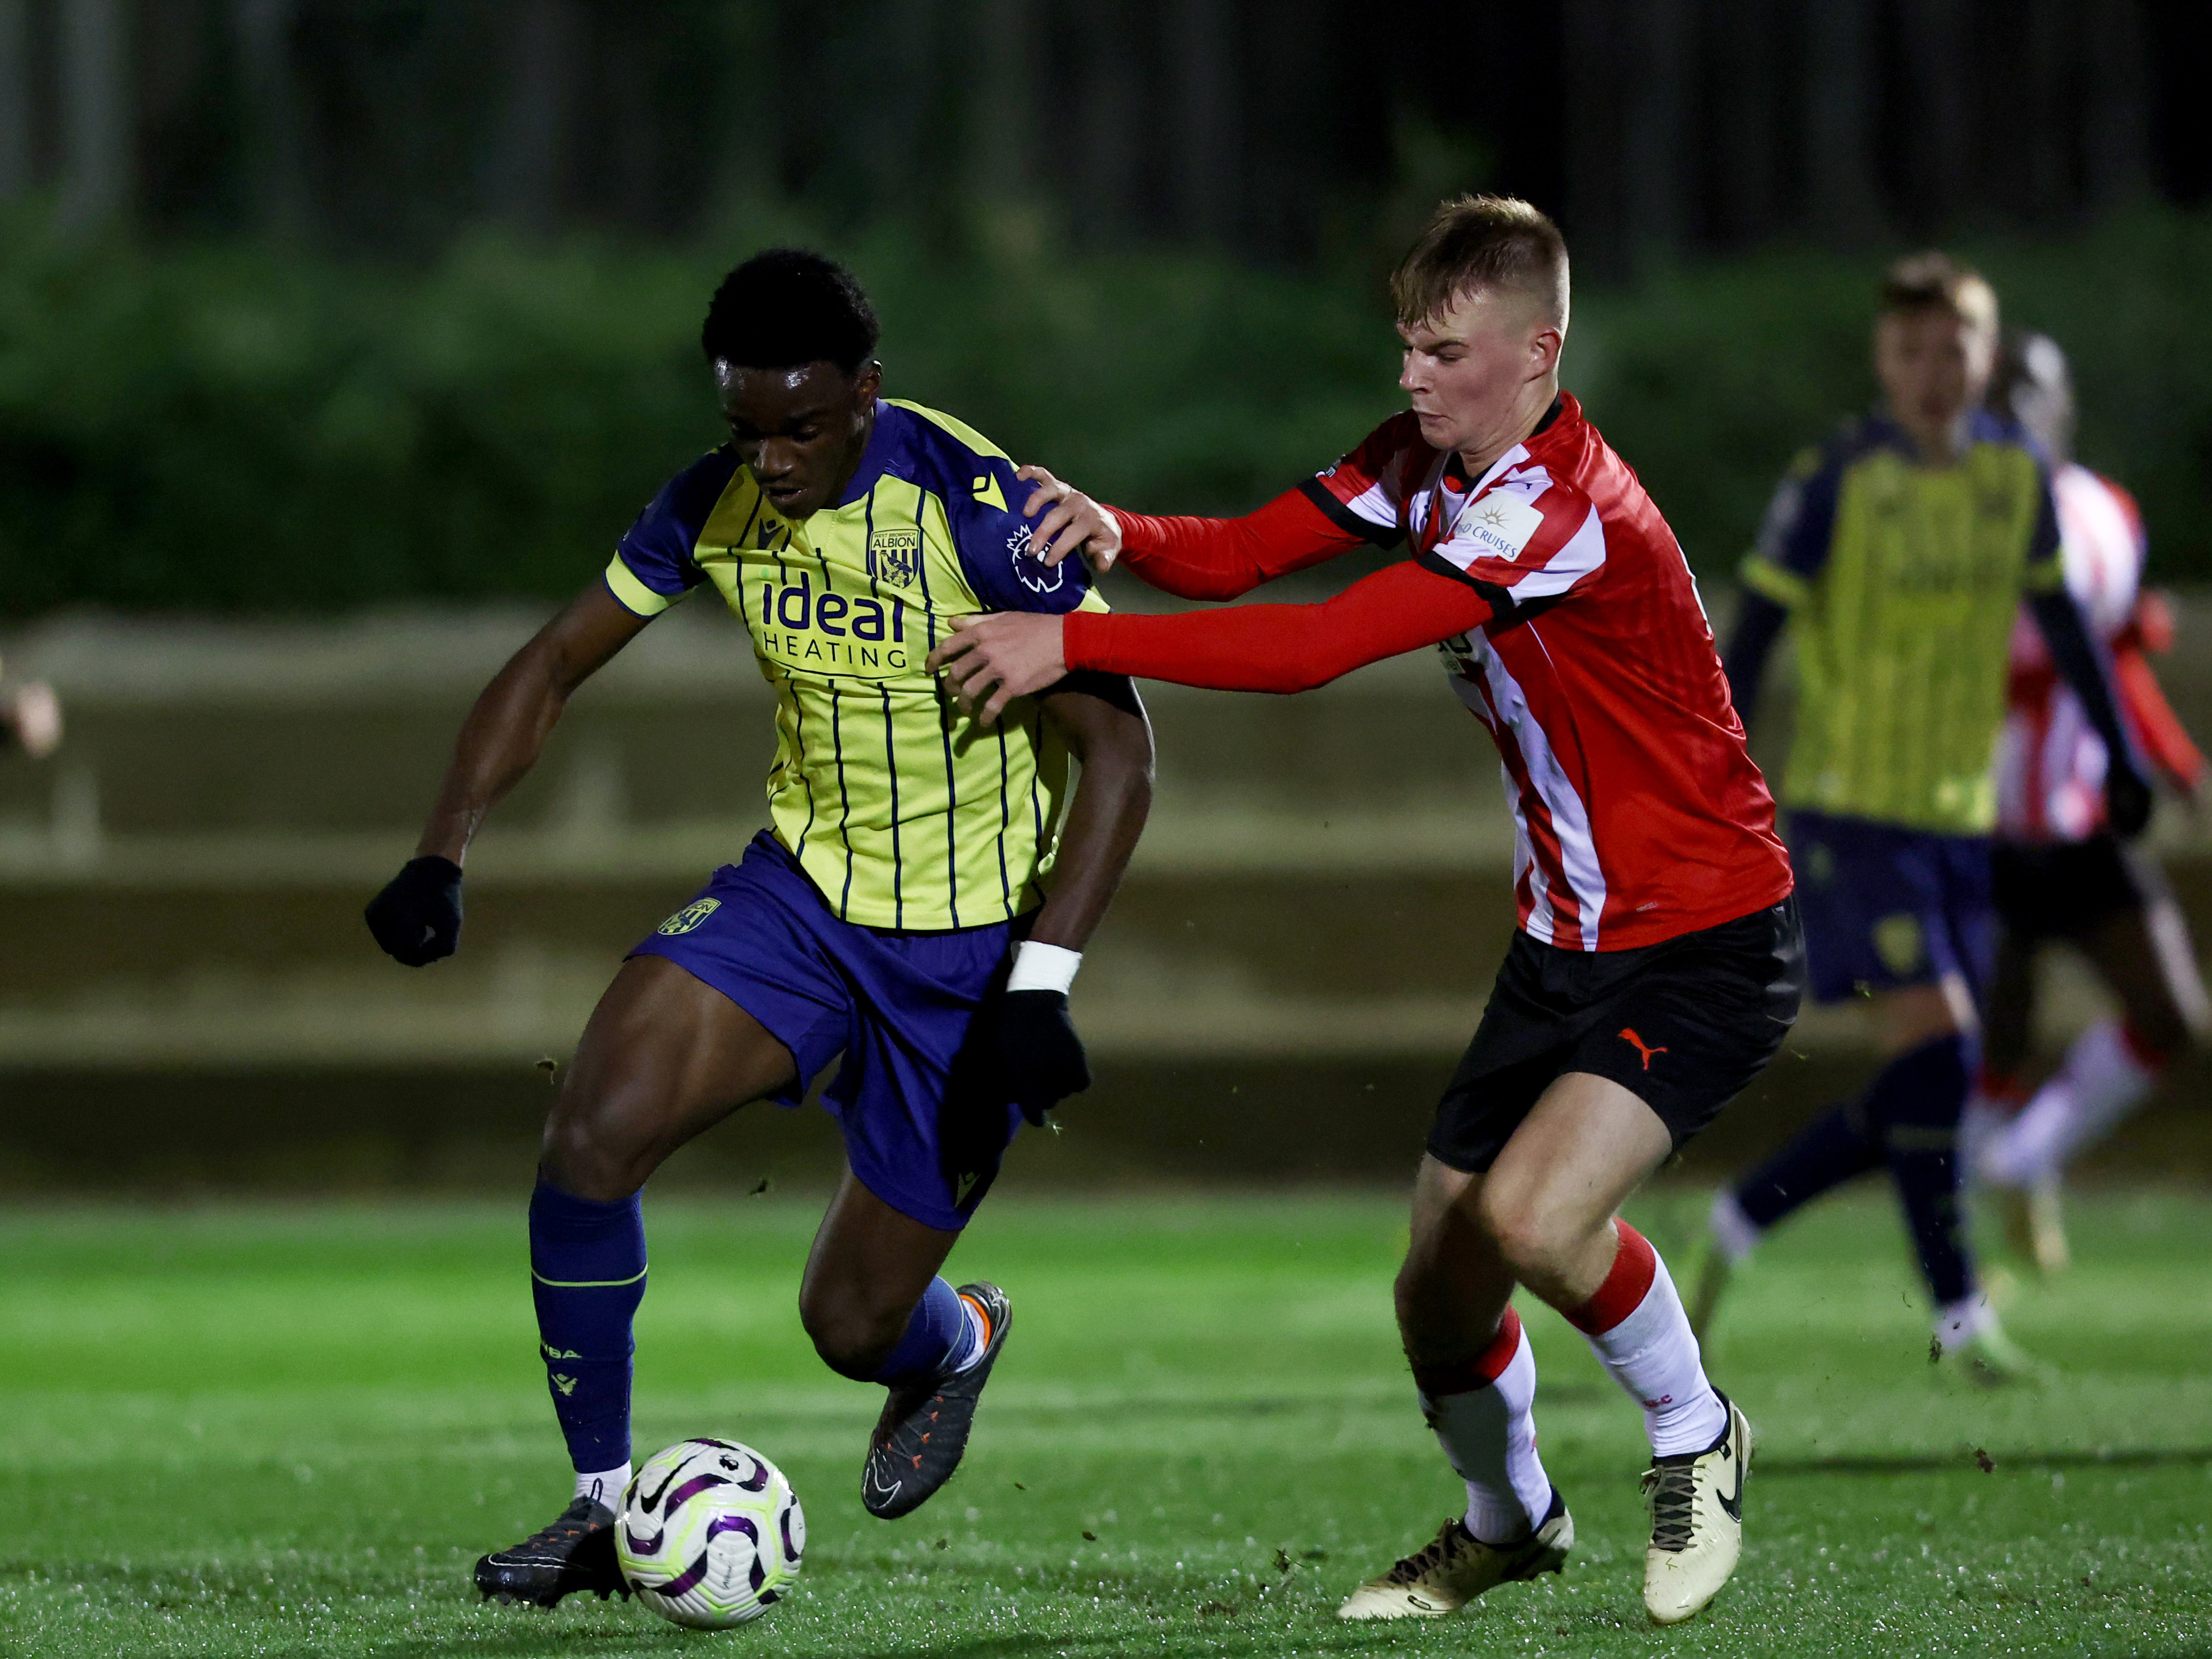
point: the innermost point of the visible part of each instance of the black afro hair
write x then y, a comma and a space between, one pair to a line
786, 307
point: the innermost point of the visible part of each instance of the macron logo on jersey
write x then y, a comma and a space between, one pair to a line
1499, 526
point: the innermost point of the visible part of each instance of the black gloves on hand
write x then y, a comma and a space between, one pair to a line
1039, 1056
417, 916
2127, 799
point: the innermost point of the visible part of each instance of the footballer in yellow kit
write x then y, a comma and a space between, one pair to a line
1900, 556
915, 913
902, 813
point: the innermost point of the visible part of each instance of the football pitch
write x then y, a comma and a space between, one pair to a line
290, 1430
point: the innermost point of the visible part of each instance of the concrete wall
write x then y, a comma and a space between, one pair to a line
1315, 916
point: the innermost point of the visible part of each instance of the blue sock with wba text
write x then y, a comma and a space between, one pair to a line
587, 1276
1925, 1090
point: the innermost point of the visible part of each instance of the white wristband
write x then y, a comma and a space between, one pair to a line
1043, 966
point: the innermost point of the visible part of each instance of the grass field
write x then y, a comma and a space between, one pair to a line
290, 1432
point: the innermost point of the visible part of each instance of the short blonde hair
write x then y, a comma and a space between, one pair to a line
1936, 281
1477, 242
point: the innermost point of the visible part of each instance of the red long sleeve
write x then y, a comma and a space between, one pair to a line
1279, 647
2157, 728
1224, 558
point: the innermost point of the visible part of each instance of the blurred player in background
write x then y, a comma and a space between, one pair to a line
1658, 963
896, 914
2061, 874
1900, 554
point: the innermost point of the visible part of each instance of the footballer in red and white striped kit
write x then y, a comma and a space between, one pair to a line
2059, 872
1658, 962
1640, 815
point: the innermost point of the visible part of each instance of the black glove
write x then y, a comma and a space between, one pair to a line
417, 916
1040, 1057
2127, 801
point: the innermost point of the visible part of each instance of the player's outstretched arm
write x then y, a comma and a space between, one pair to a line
1073, 522
1102, 722
417, 916
2165, 741
2127, 794
1192, 558
990, 660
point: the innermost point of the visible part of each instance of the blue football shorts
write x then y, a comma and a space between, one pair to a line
920, 1133
1886, 907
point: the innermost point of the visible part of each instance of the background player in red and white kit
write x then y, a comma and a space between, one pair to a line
1658, 963
2059, 873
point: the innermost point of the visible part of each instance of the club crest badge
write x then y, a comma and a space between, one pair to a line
689, 916
895, 556
1898, 941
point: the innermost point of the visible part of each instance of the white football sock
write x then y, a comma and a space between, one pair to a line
2101, 1081
976, 1338
1737, 1233
1636, 1325
1982, 1125
606, 1486
1489, 1434
1959, 1322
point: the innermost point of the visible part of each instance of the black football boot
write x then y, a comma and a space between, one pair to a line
575, 1553
924, 1428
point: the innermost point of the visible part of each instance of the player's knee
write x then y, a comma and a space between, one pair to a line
1531, 1241
581, 1157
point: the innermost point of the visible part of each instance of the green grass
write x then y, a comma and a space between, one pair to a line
290, 1432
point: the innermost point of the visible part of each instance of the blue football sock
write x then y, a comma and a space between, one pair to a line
587, 1275
936, 1335
1831, 1150
1921, 1095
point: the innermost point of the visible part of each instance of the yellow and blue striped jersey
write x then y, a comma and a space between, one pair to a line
1902, 581
901, 809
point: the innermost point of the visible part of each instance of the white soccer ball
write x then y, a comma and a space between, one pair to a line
710, 1534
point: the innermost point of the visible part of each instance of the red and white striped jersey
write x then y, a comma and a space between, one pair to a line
2050, 762
1639, 814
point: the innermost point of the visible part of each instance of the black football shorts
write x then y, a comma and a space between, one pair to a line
2062, 889
1683, 1024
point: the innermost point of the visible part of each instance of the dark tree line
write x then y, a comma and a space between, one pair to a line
1655, 128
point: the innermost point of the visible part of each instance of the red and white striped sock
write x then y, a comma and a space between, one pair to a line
1637, 1329
2003, 1090
1481, 1410
2108, 1074
1987, 1118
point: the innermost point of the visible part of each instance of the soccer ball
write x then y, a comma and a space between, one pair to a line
710, 1534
